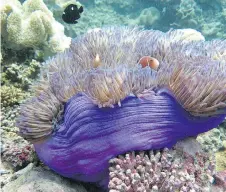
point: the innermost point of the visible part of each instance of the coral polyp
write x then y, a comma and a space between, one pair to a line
95, 101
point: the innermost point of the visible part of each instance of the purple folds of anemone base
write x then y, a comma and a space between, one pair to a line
90, 136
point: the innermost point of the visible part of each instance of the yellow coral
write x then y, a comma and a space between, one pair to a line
32, 25
11, 95
221, 160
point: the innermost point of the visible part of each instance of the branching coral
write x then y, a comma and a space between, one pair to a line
187, 9
162, 171
8, 118
95, 101
11, 95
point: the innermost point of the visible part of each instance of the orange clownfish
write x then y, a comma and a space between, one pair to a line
149, 61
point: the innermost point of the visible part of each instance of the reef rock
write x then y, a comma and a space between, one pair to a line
41, 179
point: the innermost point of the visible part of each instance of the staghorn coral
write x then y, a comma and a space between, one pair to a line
95, 101
162, 171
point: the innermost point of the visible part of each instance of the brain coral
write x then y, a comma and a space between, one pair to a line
95, 101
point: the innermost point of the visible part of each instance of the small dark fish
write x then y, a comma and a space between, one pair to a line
72, 13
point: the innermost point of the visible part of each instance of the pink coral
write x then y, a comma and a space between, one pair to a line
220, 180
162, 171
18, 156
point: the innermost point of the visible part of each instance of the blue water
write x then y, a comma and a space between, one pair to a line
206, 16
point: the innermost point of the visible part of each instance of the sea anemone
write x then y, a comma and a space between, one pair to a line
96, 101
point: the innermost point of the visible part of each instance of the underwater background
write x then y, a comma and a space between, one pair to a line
32, 31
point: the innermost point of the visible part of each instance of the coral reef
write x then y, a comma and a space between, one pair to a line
214, 139
96, 101
118, 4
186, 9
202, 15
31, 25
199, 15
15, 151
147, 18
220, 179
8, 116
212, 28
162, 171
94, 16
18, 156
31, 32
221, 160
20, 75
11, 95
